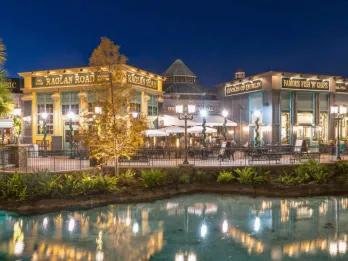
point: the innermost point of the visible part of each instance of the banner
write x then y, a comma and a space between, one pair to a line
237, 88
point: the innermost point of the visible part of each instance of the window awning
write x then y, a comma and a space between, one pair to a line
6, 123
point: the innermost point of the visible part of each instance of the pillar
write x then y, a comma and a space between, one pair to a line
144, 101
57, 115
83, 103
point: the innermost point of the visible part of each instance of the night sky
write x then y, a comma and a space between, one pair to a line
214, 38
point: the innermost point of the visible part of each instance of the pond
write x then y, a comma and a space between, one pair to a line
186, 228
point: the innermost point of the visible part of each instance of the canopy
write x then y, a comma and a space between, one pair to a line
173, 130
155, 133
199, 129
215, 121
169, 120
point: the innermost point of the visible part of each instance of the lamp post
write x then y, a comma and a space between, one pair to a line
257, 115
44, 116
71, 116
225, 114
17, 123
204, 114
185, 112
339, 113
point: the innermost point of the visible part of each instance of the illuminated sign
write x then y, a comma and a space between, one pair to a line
91, 78
70, 79
137, 79
237, 88
305, 84
341, 86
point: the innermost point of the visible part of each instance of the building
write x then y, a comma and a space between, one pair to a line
182, 87
289, 106
59, 91
6, 121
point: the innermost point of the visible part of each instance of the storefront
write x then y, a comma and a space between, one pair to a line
62, 91
284, 107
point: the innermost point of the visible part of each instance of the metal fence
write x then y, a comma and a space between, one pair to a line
55, 161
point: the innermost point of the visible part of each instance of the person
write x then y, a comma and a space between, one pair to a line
228, 150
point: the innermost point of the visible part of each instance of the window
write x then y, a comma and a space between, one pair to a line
152, 106
70, 102
44, 105
135, 105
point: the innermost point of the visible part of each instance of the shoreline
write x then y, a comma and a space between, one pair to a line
141, 196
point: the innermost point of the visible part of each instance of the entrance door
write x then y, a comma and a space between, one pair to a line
305, 133
67, 134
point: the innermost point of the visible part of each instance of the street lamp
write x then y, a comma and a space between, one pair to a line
44, 117
185, 112
225, 114
339, 113
71, 116
17, 123
204, 114
257, 115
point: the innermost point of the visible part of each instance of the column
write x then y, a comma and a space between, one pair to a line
83, 103
57, 115
144, 101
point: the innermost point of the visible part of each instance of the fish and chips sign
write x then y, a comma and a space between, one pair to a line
237, 88
305, 84
92, 78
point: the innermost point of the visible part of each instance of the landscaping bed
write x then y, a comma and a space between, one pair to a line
44, 192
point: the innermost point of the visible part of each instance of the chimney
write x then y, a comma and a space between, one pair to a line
239, 74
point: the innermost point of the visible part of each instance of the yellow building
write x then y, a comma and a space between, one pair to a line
61, 91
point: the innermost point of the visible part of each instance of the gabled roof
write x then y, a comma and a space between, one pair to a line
178, 68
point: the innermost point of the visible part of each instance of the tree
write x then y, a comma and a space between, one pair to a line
113, 133
6, 101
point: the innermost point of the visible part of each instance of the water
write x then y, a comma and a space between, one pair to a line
188, 228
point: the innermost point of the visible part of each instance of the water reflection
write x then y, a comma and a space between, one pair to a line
201, 227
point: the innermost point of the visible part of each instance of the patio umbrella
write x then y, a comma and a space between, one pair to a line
173, 130
199, 129
155, 133
215, 121
170, 120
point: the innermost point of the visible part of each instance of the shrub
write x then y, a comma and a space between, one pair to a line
341, 167
153, 177
13, 187
185, 179
225, 176
127, 178
311, 171
200, 176
245, 175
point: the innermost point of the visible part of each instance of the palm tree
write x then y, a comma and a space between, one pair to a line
2, 53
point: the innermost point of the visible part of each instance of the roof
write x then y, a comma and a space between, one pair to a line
178, 68
184, 88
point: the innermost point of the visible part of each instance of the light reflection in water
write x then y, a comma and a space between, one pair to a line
184, 228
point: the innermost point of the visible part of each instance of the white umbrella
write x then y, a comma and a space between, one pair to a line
173, 130
199, 129
155, 133
170, 120
215, 120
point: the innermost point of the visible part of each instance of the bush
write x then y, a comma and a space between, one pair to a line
200, 176
44, 185
341, 167
127, 178
225, 176
309, 172
153, 177
185, 179
245, 175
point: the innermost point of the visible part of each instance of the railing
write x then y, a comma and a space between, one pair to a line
54, 161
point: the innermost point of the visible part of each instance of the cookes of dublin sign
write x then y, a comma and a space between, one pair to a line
305, 84
70, 79
237, 88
